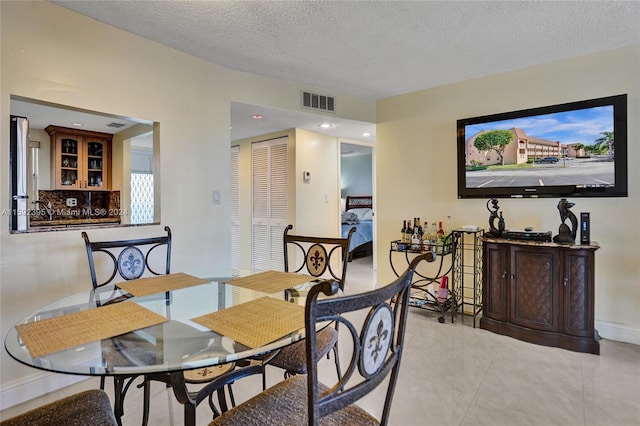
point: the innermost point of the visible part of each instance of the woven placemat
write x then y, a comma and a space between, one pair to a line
67, 331
256, 323
151, 285
271, 281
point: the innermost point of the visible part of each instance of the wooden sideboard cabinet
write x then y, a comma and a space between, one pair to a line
541, 293
80, 159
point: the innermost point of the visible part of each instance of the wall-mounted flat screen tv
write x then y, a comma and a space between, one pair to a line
576, 149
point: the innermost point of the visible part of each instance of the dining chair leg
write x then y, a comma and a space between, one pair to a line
146, 401
337, 359
189, 414
176, 378
264, 378
118, 396
231, 397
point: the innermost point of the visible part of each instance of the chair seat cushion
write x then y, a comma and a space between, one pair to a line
286, 404
294, 357
90, 407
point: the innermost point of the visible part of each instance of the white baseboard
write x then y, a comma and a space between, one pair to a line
618, 332
23, 390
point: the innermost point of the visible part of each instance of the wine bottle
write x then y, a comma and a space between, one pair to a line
434, 235
407, 235
439, 239
416, 238
426, 239
403, 232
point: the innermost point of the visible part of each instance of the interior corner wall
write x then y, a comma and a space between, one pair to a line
416, 169
309, 213
317, 200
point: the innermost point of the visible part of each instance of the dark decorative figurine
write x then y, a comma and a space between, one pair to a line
493, 216
566, 234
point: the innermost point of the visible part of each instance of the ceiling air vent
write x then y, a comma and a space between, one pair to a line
116, 125
319, 102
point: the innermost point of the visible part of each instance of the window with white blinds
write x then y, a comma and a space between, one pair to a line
269, 165
235, 210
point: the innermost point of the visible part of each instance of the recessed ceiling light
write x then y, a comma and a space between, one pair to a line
256, 116
325, 125
76, 124
365, 134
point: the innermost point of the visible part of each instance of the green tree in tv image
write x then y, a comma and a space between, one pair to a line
605, 143
496, 140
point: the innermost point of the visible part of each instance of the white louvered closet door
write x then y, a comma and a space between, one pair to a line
270, 203
235, 210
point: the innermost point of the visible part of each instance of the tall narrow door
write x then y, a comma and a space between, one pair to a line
235, 210
269, 203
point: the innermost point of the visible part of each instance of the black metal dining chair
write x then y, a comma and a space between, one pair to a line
135, 258
115, 261
374, 322
90, 407
318, 257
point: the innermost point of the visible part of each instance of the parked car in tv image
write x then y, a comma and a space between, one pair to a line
546, 160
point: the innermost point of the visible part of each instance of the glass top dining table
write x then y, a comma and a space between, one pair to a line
177, 344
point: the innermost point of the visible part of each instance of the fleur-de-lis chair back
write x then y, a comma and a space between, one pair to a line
317, 256
118, 260
129, 259
373, 324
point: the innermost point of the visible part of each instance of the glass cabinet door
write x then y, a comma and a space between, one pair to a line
69, 163
96, 161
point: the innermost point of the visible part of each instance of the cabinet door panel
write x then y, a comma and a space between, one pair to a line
534, 295
495, 294
67, 162
578, 294
96, 159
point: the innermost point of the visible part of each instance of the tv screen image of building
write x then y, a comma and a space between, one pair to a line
574, 149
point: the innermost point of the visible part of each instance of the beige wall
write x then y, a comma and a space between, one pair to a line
416, 133
318, 201
53, 54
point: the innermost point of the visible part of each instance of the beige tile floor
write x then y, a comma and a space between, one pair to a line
453, 374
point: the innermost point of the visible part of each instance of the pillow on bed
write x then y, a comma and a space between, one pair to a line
349, 218
363, 213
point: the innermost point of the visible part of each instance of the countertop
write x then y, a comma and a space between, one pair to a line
73, 222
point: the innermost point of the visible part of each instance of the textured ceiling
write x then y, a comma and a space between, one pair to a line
375, 49
372, 49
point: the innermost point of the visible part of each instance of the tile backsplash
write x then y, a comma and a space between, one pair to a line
89, 205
